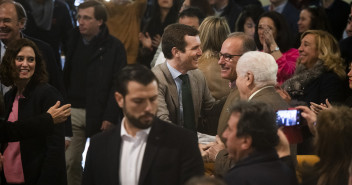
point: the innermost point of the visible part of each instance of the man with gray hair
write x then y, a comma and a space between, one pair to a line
256, 78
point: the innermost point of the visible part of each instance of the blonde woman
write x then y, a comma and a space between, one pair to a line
213, 32
319, 76
320, 72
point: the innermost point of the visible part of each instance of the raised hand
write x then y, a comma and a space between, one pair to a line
59, 114
145, 40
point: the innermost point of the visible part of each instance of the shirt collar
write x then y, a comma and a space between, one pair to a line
3, 49
280, 8
173, 71
232, 85
218, 12
256, 92
141, 132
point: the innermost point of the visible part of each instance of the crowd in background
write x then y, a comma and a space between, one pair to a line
296, 53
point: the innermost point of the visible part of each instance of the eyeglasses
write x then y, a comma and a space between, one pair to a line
6, 20
227, 56
349, 18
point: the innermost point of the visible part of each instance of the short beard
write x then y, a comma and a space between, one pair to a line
136, 122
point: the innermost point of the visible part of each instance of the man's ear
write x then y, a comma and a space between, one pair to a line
119, 99
246, 142
249, 78
100, 22
22, 23
175, 52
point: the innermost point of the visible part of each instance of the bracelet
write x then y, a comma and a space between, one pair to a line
276, 49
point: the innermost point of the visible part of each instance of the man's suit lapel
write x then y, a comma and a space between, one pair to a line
113, 155
171, 84
151, 150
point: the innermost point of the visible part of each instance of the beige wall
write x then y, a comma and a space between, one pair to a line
266, 2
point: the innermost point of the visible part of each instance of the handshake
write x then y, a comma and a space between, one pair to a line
209, 151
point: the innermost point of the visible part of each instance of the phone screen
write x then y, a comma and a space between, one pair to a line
288, 117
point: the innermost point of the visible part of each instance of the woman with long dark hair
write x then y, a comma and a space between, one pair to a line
40, 159
273, 36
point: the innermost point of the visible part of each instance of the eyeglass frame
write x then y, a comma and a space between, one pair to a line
227, 57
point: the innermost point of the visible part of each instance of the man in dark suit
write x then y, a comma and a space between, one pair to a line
142, 149
229, 9
251, 137
93, 58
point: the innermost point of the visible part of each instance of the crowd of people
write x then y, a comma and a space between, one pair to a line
175, 92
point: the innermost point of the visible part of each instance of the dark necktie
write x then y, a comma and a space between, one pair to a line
187, 102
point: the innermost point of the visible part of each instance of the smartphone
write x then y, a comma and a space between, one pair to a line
288, 117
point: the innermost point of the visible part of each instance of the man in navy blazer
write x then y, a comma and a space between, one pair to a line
142, 149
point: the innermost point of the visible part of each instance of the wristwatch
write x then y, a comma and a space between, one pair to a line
276, 49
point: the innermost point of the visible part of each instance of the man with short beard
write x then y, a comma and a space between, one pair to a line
142, 149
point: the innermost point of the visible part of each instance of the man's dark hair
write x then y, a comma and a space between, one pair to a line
133, 72
100, 12
174, 36
192, 12
257, 120
21, 12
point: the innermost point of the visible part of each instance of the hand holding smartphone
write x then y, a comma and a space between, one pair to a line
288, 117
